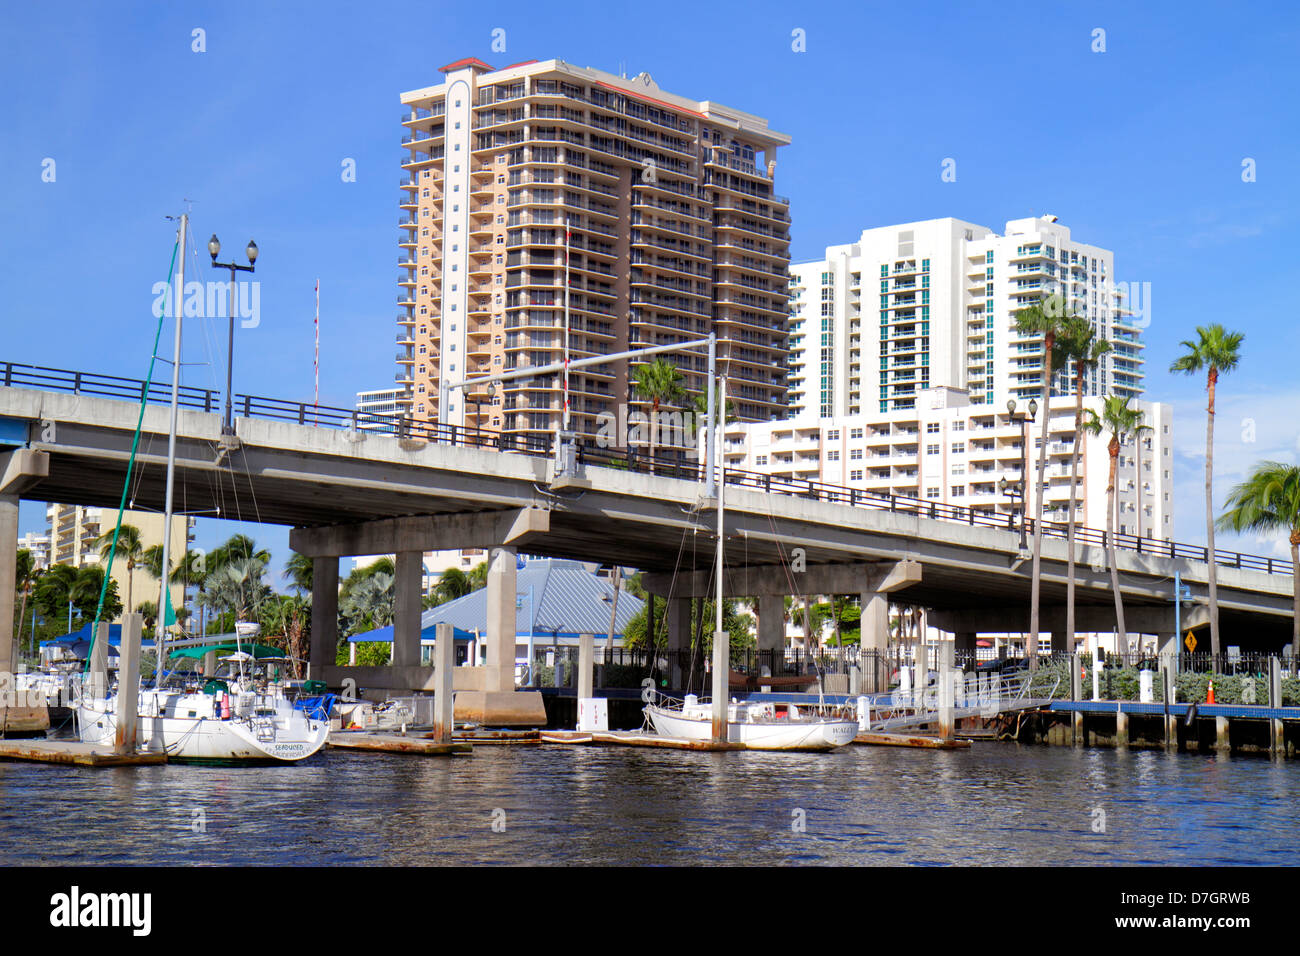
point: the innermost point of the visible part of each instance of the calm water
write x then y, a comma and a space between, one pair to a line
993, 804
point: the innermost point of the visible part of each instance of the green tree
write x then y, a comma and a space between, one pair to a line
130, 545
1079, 344
1047, 317
1120, 421
1268, 501
369, 603
298, 569
660, 382
237, 587
1216, 351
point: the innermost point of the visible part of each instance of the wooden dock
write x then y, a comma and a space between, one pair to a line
73, 752
397, 744
633, 738
497, 737
922, 741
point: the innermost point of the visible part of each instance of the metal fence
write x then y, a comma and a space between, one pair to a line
675, 464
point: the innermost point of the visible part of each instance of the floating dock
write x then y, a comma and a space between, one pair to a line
633, 738
73, 752
397, 744
923, 741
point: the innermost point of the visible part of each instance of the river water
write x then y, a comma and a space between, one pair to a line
995, 804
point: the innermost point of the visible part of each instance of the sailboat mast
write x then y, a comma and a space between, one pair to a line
160, 633
721, 645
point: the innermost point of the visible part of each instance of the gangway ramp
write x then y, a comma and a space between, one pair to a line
986, 696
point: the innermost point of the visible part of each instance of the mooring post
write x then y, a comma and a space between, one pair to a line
1169, 691
947, 728
128, 684
1221, 741
1076, 695
444, 653
1277, 734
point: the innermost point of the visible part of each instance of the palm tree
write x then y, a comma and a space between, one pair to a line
25, 577
1269, 501
452, 584
1120, 421
1046, 317
1079, 344
370, 603
659, 381
237, 587
129, 545
298, 569
478, 576
1217, 351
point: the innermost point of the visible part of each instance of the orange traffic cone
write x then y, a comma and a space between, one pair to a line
1209, 697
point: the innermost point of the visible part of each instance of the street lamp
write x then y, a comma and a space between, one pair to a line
1021, 487
214, 247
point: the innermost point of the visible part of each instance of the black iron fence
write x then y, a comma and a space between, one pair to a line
673, 464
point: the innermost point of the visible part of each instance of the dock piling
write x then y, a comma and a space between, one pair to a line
443, 696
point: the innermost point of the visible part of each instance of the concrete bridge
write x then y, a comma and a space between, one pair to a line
346, 490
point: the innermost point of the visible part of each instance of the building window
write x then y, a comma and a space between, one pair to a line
932, 428
959, 448
957, 491
932, 449
932, 492
832, 456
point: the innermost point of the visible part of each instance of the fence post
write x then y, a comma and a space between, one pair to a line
9, 373
76, 382
248, 406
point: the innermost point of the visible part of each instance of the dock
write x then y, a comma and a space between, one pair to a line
1200, 727
397, 744
633, 738
923, 741
73, 752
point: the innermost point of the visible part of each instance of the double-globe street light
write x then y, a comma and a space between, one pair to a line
1018, 489
214, 247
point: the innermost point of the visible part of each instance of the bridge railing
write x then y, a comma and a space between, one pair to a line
673, 464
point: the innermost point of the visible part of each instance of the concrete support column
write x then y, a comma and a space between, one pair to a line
8, 571
407, 598
1060, 641
1167, 644
679, 638
947, 690
963, 642
444, 657
324, 614
875, 621
502, 624
771, 630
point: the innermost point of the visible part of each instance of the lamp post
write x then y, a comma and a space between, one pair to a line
1023, 484
214, 247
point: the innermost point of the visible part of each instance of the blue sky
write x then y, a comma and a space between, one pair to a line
1138, 149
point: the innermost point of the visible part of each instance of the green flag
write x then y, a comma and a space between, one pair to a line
170, 617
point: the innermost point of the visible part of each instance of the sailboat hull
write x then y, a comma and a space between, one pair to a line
756, 735
280, 735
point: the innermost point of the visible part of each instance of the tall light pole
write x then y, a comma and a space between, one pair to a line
214, 247
1022, 486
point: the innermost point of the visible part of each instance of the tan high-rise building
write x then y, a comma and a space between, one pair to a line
73, 535
674, 231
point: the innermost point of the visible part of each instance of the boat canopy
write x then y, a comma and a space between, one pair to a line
257, 650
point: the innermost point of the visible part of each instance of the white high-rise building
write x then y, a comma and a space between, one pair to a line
934, 303
949, 451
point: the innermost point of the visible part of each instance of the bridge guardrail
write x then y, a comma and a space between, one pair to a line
18, 375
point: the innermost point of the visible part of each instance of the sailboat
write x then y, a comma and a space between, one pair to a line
235, 719
758, 725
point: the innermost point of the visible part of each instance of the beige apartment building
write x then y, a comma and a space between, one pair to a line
674, 229
73, 530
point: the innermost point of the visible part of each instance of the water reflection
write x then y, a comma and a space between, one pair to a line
992, 804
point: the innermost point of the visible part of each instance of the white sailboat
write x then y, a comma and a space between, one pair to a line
758, 725
233, 719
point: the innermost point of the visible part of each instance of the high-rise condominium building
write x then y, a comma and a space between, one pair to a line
673, 230
948, 451
934, 303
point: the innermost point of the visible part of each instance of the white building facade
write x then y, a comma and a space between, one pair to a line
934, 303
948, 450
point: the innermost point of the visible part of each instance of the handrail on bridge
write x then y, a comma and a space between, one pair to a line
16, 375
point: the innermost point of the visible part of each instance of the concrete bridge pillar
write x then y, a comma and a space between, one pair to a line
875, 621
408, 592
678, 612
1060, 641
771, 628
502, 624
963, 642
8, 571
324, 614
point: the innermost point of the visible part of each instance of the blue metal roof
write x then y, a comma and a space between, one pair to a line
553, 598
